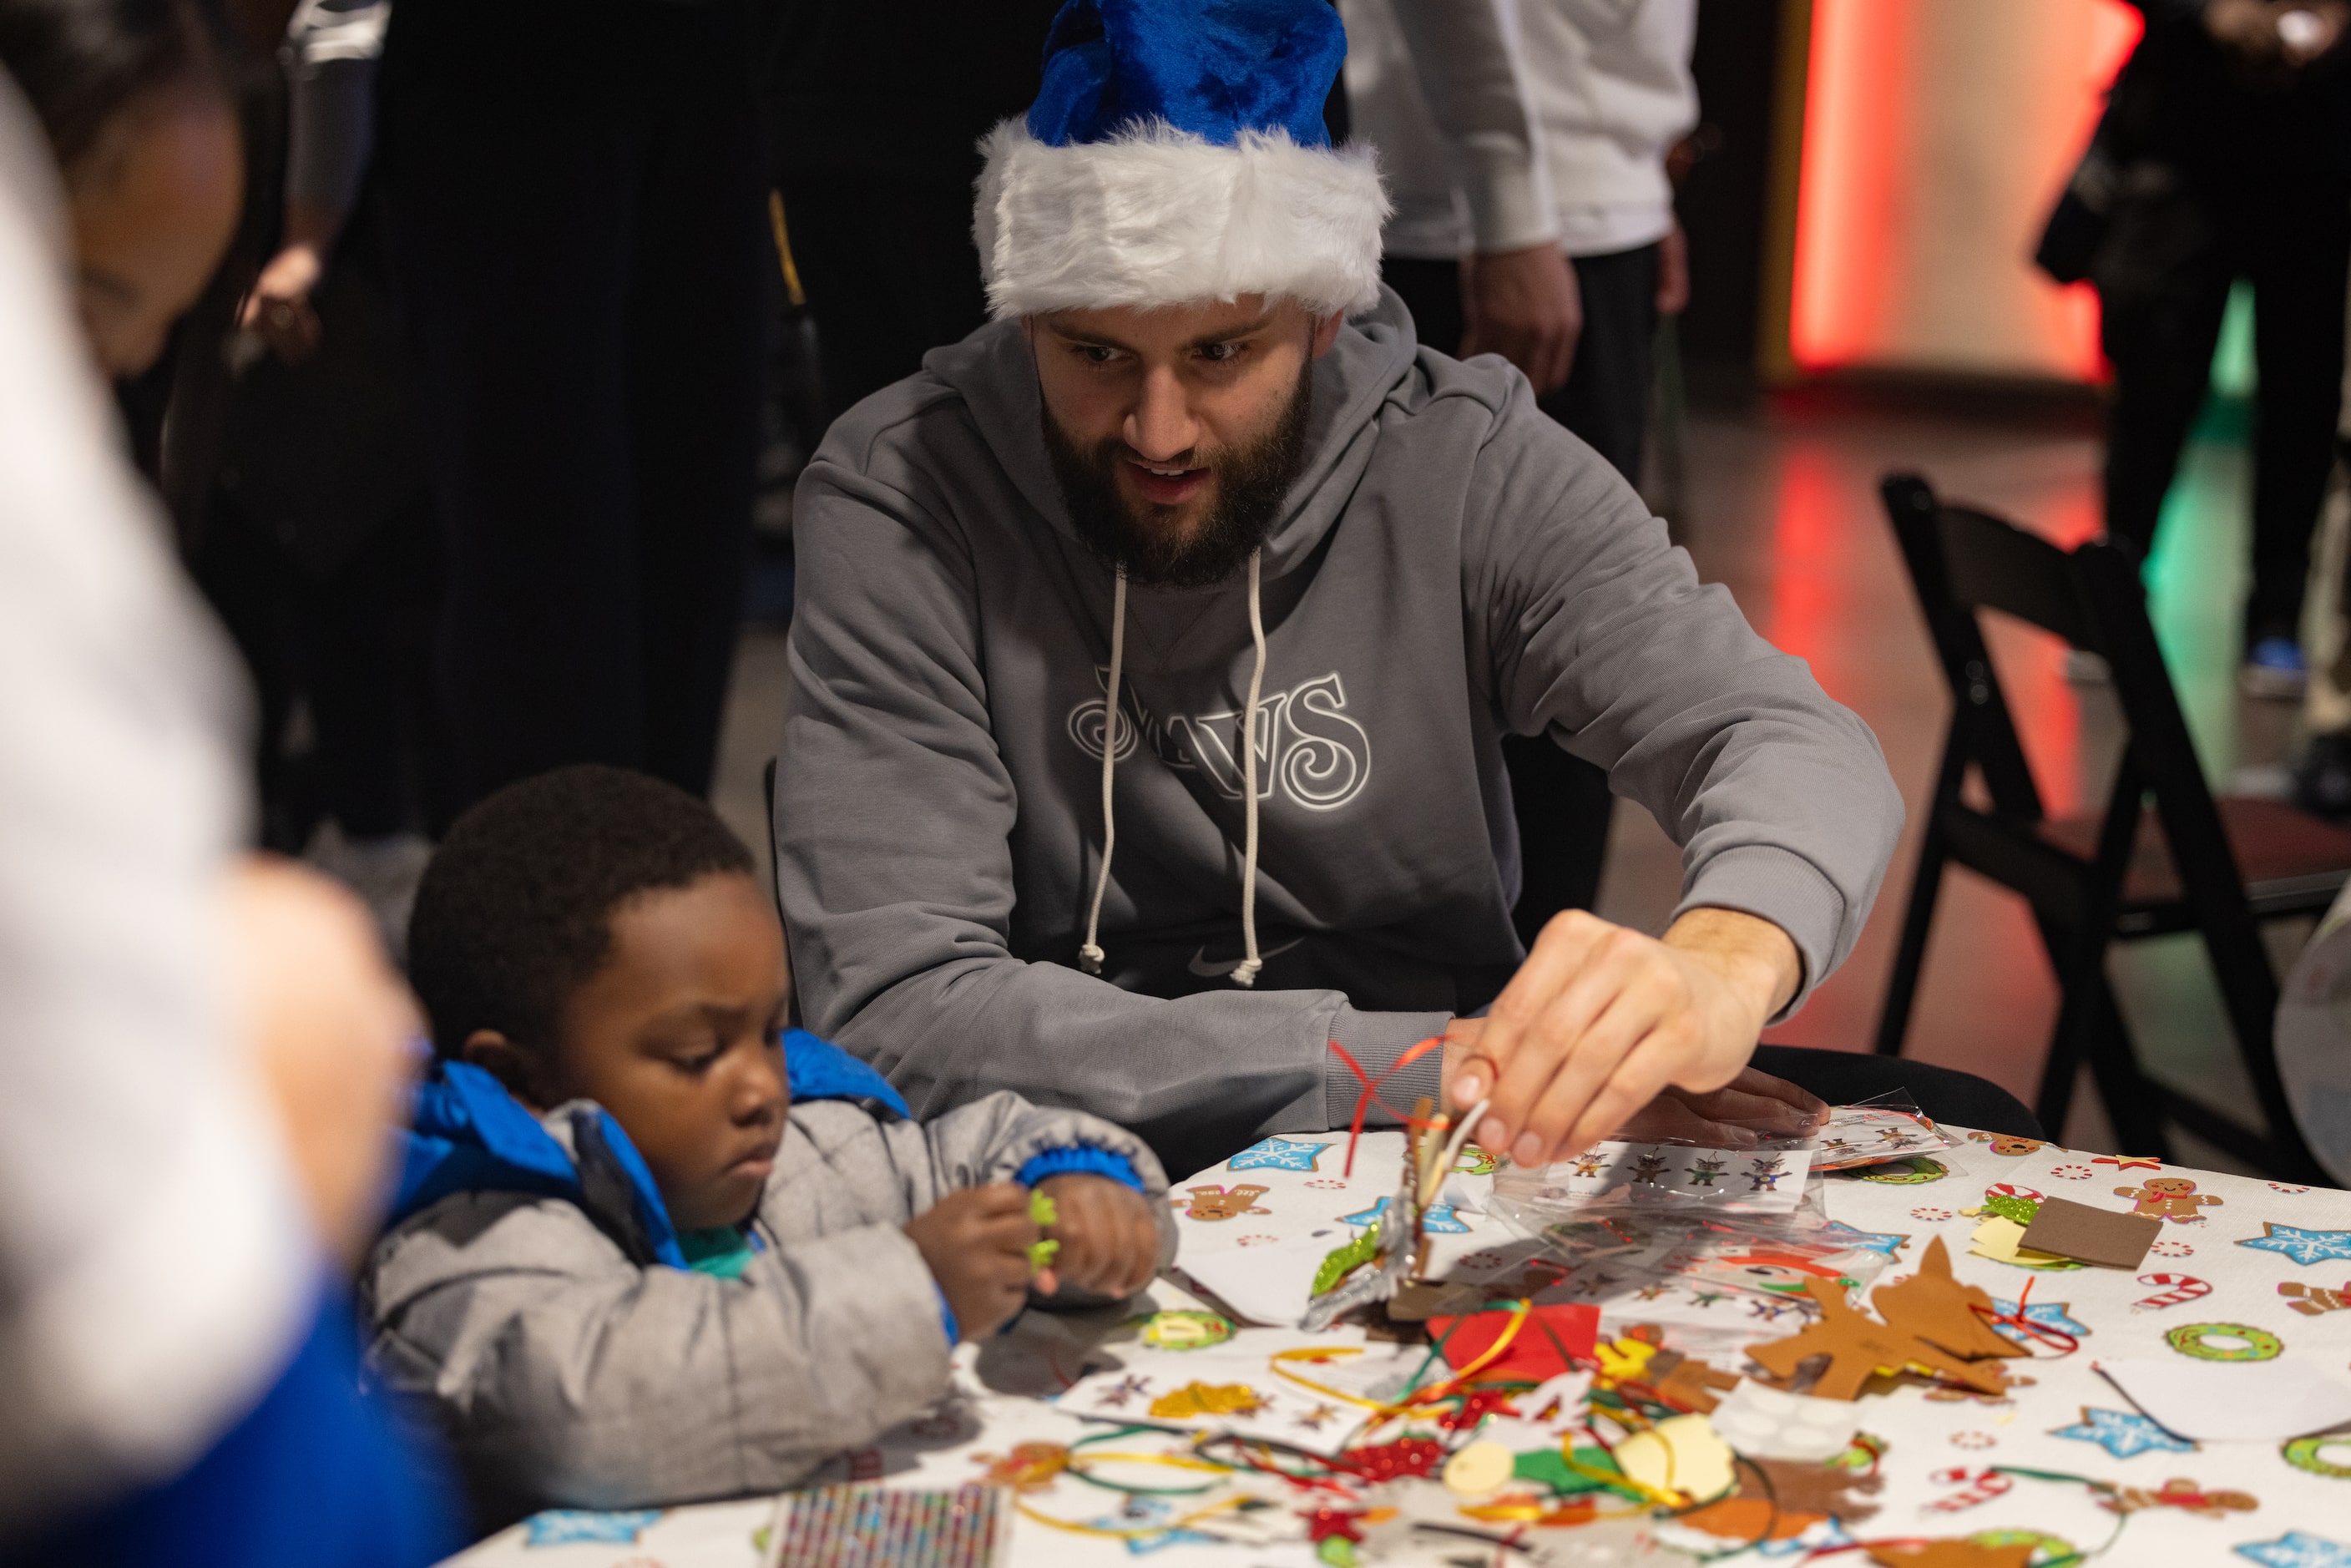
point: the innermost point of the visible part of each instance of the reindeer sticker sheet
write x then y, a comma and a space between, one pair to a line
1734, 1181
1868, 1135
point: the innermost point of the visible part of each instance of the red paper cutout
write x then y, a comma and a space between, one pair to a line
1536, 1354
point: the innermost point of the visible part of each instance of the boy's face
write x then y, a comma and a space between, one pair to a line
677, 1036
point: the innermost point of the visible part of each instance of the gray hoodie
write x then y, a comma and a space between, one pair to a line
1451, 566
570, 1365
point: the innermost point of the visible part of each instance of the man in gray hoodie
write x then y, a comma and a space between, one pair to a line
1154, 645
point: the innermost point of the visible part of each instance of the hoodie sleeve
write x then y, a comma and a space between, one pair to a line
566, 1374
1595, 629
892, 1170
895, 821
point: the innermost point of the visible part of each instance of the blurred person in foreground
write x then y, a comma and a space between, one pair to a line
2221, 157
200, 1055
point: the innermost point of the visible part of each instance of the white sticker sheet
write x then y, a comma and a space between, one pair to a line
1746, 1180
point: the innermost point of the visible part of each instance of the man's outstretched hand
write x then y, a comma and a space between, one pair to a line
1600, 1020
1753, 1106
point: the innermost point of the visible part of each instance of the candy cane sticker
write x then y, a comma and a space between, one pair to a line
2173, 1288
2003, 1189
1983, 1486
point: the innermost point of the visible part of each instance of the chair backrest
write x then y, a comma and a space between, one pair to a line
1963, 560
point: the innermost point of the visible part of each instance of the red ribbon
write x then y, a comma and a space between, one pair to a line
2066, 1343
1370, 1094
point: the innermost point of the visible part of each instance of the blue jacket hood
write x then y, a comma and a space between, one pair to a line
468, 1135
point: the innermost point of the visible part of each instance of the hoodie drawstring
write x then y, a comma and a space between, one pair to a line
1090, 955
1245, 974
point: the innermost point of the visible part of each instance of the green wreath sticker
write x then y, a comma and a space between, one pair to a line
2208, 1342
2304, 1454
1182, 1328
1911, 1170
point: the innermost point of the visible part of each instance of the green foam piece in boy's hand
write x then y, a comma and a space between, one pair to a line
1042, 1209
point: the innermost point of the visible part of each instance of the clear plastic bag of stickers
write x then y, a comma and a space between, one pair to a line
1875, 1131
1728, 1279
1664, 1178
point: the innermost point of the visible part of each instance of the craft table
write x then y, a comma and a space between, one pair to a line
2276, 1259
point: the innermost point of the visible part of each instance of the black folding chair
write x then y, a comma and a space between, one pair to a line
2214, 866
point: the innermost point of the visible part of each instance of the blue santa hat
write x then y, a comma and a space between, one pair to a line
1176, 154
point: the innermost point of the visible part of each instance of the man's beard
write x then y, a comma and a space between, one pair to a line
1250, 485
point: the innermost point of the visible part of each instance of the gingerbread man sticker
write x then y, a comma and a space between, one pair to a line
1216, 1203
2315, 1301
2169, 1198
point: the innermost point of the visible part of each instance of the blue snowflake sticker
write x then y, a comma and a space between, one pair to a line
2296, 1550
2045, 1314
2302, 1245
1439, 1220
575, 1526
1887, 1242
1277, 1154
2124, 1435
1140, 1514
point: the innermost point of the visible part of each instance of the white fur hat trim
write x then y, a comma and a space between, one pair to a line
1159, 216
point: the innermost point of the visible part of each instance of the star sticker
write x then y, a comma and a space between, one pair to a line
1439, 1220
2124, 1435
1888, 1242
2296, 1550
2047, 1315
571, 1526
1143, 1514
2129, 1161
1277, 1154
2302, 1245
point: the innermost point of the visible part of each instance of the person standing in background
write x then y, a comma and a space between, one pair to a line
579, 247
876, 113
1524, 146
199, 1057
2224, 140
319, 548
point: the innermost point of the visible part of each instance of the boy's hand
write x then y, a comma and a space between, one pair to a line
1109, 1236
976, 1244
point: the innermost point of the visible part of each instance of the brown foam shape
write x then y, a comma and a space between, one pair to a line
1940, 1309
2090, 1235
1686, 1383
1858, 1346
1948, 1554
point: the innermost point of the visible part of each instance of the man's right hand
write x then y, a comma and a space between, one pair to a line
1524, 306
976, 1243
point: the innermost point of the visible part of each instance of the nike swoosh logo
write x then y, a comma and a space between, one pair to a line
1210, 968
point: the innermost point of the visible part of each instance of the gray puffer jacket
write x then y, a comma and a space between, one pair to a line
571, 1365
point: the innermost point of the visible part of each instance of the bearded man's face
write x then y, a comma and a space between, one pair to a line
1176, 434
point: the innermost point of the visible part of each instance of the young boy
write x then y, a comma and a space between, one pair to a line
651, 1247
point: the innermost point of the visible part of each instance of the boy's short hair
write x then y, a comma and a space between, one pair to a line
514, 912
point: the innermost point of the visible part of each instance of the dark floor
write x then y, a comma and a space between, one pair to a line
1780, 504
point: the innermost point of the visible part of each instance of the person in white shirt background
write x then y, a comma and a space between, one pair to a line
201, 1054
1525, 143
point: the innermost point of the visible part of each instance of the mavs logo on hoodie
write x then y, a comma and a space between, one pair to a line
1307, 748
